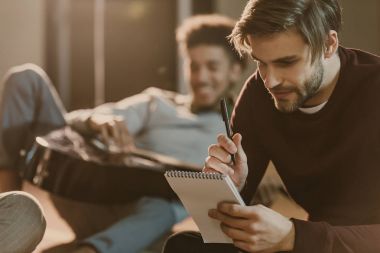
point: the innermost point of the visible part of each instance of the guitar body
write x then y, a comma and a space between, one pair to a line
64, 164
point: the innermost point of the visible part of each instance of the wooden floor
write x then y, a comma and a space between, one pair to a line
59, 232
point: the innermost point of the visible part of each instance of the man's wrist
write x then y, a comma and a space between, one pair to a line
288, 242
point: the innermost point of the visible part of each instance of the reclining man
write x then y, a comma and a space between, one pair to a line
181, 126
312, 108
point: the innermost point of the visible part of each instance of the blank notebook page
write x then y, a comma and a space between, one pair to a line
199, 192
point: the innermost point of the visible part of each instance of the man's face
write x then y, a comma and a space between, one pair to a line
284, 64
210, 72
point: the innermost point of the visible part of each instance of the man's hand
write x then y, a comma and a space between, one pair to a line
255, 228
219, 159
113, 132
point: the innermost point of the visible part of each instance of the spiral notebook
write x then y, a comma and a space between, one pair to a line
199, 192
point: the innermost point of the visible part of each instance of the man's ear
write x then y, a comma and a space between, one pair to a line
331, 44
235, 72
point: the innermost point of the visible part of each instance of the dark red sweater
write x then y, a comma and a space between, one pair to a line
329, 161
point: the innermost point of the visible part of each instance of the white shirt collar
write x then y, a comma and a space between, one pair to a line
314, 109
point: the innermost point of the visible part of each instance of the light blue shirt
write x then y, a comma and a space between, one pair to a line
161, 121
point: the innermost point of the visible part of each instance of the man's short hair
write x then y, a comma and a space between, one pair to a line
209, 29
313, 19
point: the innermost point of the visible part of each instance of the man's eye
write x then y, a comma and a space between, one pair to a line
286, 63
213, 67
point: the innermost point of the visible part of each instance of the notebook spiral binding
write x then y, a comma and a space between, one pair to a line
194, 175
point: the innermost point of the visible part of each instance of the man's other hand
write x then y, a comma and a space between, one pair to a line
255, 228
112, 131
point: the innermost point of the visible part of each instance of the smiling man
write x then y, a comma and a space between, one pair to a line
312, 109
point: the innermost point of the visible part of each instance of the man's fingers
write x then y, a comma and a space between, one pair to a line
213, 163
227, 144
209, 170
239, 235
118, 136
220, 153
122, 138
237, 138
114, 131
105, 135
239, 211
240, 154
230, 221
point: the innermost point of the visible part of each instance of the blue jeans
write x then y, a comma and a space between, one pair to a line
151, 219
30, 107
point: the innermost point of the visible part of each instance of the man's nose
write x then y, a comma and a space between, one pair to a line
271, 79
202, 75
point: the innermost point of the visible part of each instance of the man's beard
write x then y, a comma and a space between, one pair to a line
310, 88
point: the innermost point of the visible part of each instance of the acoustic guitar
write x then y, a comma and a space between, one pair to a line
66, 164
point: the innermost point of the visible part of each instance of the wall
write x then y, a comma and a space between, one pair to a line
22, 32
230, 8
361, 25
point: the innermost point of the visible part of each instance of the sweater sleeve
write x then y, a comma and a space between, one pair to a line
321, 237
257, 159
134, 111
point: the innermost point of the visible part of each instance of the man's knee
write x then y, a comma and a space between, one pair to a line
182, 242
24, 77
156, 205
158, 209
22, 223
189, 242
